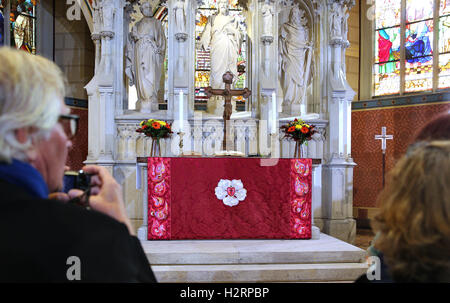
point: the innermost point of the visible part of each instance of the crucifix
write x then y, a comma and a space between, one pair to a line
227, 93
383, 137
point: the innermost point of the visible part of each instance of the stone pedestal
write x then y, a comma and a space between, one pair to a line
324, 260
294, 109
147, 107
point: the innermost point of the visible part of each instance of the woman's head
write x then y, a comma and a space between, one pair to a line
436, 129
414, 218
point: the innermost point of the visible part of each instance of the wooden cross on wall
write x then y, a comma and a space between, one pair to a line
227, 93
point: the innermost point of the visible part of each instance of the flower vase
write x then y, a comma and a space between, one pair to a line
298, 152
156, 148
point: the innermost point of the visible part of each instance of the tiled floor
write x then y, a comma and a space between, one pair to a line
363, 238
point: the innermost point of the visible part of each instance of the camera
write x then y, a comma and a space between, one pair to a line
76, 180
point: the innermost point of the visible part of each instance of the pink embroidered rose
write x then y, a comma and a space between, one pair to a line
230, 192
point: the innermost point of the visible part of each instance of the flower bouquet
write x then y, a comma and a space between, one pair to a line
300, 132
156, 129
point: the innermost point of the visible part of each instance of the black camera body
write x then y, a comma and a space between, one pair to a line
76, 180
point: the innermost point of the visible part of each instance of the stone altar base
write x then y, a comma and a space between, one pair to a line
225, 261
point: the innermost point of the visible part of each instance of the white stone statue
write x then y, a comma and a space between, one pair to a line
145, 55
107, 12
293, 46
96, 16
180, 9
267, 11
336, 15
223, 35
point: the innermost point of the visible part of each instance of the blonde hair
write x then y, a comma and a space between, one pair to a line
414, 218
31, 89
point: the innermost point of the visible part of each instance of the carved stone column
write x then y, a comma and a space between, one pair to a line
264, 138
104, 90
266, 11
337, 175
316, 199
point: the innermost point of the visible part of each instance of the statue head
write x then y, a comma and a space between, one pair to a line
228, 77
146, 9
222, 5
297, 16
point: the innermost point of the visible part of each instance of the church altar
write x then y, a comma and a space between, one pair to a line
228, 198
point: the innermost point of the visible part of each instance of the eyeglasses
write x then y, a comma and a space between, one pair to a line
69, 124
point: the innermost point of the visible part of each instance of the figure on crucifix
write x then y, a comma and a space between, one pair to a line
228, 93
224, 38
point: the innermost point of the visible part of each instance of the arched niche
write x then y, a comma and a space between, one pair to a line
313, 25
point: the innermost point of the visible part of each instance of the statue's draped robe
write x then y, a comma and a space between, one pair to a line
222, 33
293, 49
145, 58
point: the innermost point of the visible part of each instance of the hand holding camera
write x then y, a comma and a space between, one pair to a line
106, 195
94, 187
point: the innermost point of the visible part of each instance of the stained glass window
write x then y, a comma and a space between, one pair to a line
444, 8
23, 25
419, 56
2, 25
387, 48
444, 44
444, 34
202, 60
419, 10
444, 71
387, 13
417, 49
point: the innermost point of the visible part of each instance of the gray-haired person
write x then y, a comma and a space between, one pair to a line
48, 240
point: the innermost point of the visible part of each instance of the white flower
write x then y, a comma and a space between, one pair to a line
231, 192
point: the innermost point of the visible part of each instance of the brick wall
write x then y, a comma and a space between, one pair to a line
401, 121
79, 150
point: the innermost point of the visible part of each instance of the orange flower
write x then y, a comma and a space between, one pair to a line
168, 126
304, 130
291, 129
156, 125
144, 126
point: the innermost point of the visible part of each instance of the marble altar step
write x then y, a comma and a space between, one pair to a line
323, 260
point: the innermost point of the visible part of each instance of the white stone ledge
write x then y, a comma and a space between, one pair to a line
259, 273
324, 250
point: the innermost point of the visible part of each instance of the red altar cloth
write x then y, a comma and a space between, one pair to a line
196, 198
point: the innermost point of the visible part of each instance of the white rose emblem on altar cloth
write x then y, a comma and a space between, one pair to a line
231, 192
